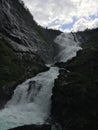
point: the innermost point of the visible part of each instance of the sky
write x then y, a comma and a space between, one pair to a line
65, 15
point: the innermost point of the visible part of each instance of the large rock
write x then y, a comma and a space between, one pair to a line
23, 33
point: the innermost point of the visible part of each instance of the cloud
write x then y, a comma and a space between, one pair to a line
56, 13
48, 11
83, 24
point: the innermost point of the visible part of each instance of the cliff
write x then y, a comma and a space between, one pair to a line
75, 95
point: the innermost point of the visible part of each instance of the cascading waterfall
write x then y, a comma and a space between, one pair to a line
68, 46
31, 101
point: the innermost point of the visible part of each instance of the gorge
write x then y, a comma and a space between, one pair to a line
31, 101
48, 79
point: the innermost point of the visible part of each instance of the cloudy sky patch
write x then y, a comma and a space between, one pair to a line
66, 15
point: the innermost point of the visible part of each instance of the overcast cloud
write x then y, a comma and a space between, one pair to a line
67, 15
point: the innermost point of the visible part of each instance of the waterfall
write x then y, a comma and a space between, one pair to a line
31, 101
68, 45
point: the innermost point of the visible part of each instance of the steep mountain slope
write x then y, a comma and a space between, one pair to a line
75, 95
25, 47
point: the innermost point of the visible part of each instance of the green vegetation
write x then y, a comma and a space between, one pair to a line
11, 68
82, 88
23, 12
86, 61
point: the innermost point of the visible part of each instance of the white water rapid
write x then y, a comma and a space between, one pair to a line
31, 101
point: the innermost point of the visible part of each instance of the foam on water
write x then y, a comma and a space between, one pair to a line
30, 104
68, 47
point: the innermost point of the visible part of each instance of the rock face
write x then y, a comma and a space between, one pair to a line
75, 95
33, 127
23, 32
25, 47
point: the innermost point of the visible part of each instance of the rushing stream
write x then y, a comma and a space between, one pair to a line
31, 101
